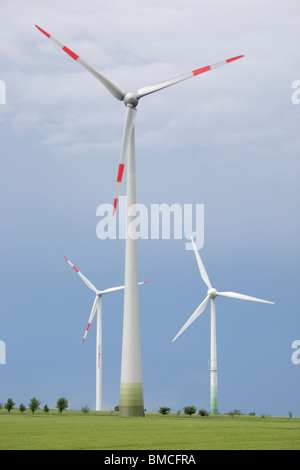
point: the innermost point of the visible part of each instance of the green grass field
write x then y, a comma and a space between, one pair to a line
105, 431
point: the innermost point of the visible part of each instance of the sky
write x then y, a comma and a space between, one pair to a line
227, 140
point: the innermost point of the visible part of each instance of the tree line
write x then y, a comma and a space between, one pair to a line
35, 404
188, 410
62, 404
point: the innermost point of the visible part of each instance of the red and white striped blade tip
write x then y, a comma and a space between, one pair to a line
235, 58
115, 206
86, 332
74, 267
210, 67
42, 31
119, 181
84, 338
64, 48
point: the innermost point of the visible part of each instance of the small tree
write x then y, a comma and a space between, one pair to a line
9, 405
22, 408
164, 410
34, 405
189, 410
290, 414
117, 408
203, 412
234, 413
46, 409
85, 409
62, 404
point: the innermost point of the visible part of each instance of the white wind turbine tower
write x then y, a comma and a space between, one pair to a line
131, 393
97, 306
212, 294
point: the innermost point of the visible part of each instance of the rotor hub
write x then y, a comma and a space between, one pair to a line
212, 293
131, 99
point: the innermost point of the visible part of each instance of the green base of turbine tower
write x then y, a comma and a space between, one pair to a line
214, 402
131, 400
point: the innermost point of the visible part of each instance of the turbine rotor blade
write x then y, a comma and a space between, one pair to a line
93, 311
159, 86
114, 289
234, 295
201, 266
111, 87
85, 280
128, 127
193, 317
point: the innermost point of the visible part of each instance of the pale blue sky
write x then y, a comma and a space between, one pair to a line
228, 139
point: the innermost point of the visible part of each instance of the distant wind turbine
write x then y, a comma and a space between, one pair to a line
131, 393
212, 294
97, 306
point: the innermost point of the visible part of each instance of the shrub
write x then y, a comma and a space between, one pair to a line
203, 412
22, 408
9, 405
234, 413
34, 404
189, 410
164, 410
85, 409
62, 404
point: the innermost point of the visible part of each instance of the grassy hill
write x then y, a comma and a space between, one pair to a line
106, 431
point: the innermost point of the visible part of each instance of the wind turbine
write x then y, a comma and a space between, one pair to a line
211, 295
131, 392
97, 306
